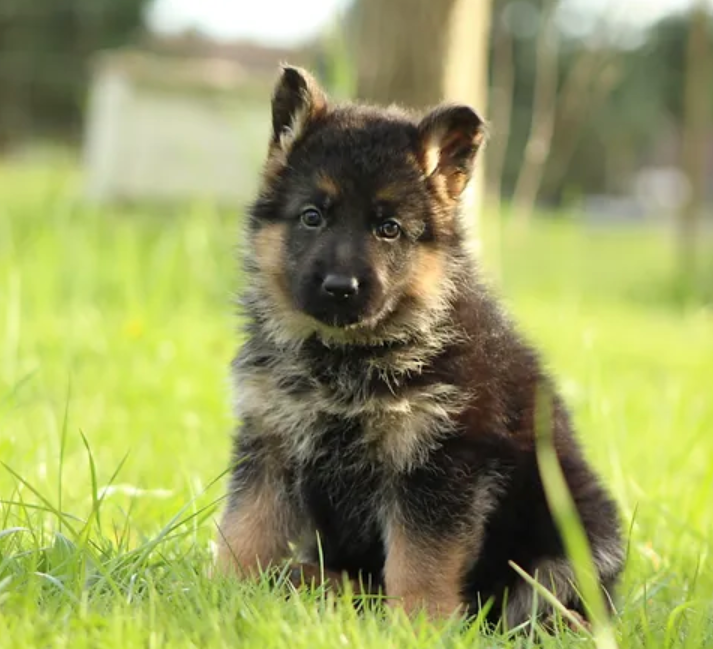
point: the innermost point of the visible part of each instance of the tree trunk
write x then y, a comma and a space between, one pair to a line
501, 105
592, 77
539, 141
421, 52
696, 123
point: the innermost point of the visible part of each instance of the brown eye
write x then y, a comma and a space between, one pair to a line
311, 218
389, 229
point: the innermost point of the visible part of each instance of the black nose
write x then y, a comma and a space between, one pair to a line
341, 286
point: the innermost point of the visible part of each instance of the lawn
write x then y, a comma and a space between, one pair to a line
116, 330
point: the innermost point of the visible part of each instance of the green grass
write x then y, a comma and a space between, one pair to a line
116, 329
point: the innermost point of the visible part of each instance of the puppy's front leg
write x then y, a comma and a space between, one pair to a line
252, 534
424, 572
259, 520
434, 531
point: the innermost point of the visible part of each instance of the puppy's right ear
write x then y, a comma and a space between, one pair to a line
451, 136
297, 101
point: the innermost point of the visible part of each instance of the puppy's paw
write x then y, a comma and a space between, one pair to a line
435, 608
572, 621
312, 575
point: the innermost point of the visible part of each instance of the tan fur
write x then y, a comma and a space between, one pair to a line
448, 180
433, 164
456, 180
391, 193
428, 276
295, 130
254, 533
269, 243
455, 183
275, 162
328, 185
419, 576
268, 246
431, 151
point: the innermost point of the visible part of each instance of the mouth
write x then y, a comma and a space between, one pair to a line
339, 319
339, 313
345, 318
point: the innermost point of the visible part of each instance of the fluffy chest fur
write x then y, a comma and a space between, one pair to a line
349, 423
306, 394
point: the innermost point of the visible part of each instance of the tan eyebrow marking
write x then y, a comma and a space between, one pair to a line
389, 192
328, 185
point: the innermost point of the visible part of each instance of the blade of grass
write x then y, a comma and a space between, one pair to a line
62, 449
13, 530
56, 582
41, 508
550, 598
12, 393
50, 507
175, 522
568, 522
96, 503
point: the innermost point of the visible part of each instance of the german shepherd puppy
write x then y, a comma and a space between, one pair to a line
387, 404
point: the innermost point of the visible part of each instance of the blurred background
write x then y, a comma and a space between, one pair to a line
597, 107
132, 133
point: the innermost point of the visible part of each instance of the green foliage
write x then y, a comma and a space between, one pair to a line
332, 61
116, 329
45, 47
615, 132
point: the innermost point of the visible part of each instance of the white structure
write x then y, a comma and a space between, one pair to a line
166, 128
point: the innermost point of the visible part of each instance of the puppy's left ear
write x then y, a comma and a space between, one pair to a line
297, 101
449, 139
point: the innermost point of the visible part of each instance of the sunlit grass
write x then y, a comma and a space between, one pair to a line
116, 329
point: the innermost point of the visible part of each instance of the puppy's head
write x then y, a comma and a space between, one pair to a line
357, 218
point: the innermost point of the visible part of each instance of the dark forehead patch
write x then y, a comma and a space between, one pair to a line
359, 158
358, 142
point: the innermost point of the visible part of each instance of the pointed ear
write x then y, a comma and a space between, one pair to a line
450, 137
296, 101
